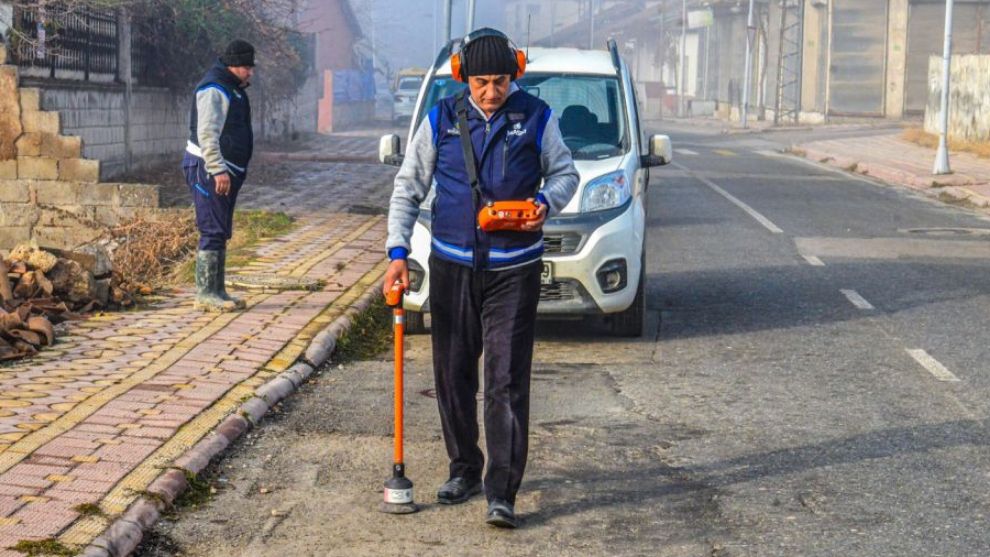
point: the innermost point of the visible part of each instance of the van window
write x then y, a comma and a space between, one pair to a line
591, 109
410, 83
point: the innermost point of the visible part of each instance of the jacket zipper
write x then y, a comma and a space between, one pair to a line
505, 155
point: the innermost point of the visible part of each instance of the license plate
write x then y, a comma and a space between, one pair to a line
546, 277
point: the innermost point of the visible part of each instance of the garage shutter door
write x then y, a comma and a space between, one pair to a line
926, 34
859, 34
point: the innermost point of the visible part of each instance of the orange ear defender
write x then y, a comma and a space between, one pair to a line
457, 60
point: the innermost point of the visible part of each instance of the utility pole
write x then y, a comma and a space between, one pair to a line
374, 44
447, 9
591, 16
942, 157
553, 22
682, 105
779, 103
470, 17
436, 26
748, 78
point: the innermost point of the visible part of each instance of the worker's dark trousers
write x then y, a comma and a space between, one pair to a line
495, 311
214, 212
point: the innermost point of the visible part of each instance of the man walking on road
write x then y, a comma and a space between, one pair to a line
484, 286
220, 145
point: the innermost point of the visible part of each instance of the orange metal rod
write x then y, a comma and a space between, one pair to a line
400, 317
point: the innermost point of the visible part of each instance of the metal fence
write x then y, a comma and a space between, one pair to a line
59, 39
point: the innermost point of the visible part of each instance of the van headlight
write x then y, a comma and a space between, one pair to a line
605, 192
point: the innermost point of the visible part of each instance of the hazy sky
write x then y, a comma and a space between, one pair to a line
404, 29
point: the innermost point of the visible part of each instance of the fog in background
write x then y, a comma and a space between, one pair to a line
405, 32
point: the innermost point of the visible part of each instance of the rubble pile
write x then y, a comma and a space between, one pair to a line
40, 288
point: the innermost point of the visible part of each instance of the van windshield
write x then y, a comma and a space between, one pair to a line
410, 83
590, 108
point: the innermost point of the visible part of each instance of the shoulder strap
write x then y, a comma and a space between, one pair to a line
468, 149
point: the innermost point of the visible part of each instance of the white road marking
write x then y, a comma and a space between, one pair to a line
932, 365
687, 152
767, 223
857, 300
813, 261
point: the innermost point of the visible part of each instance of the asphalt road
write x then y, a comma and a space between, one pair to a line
813, 382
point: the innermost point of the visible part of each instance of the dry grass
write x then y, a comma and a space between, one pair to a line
919, 136
150, 249
156, 253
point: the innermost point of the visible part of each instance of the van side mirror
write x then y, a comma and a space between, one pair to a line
661, 152
390, 150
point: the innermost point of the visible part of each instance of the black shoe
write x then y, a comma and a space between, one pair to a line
501, 514
458, 490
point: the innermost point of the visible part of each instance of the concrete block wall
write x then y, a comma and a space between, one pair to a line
969, 97
299, 115
155, 126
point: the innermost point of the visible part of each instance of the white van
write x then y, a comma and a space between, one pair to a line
594, 260
405, 91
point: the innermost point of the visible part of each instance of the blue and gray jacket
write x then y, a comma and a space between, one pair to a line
518, 149
220, 130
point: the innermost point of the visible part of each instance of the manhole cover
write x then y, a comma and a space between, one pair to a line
949, 231
272, 283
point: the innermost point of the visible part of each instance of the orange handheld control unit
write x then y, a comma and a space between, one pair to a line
508, 215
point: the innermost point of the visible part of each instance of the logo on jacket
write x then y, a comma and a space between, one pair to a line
517, 130
453, 131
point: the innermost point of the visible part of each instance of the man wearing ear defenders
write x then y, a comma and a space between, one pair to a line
485, 147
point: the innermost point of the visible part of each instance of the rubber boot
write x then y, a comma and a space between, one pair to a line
207, 292
238, 303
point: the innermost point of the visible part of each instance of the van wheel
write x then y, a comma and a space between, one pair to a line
629, 323
415, 323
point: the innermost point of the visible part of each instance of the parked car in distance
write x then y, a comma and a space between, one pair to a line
594, 251
405, 91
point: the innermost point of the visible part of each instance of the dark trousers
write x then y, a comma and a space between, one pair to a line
214, 212
495, 312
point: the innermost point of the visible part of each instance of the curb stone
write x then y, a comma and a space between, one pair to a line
125, 533
893, 176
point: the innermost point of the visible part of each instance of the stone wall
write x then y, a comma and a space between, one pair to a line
969, 97
65, 215
49, 192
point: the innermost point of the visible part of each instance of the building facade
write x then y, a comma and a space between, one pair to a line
811, 59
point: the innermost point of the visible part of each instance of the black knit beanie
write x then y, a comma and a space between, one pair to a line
489, 56
238, 53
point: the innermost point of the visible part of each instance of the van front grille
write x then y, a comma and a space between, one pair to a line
561, 243
559, 292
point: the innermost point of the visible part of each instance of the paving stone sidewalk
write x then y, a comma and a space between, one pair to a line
892, 159
99, 417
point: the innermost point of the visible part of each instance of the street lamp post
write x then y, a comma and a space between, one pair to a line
682, 105
942, 157
747, 80
447, 9
553, 22
591, 16
436, 26
470, 17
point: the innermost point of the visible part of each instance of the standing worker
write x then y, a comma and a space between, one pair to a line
220, 145
484, 286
